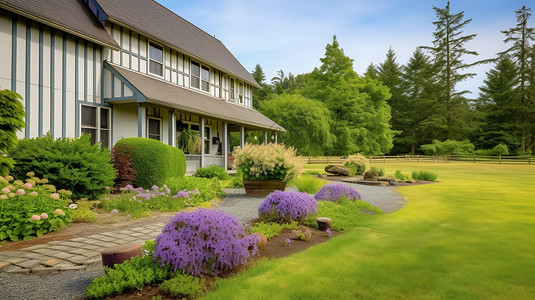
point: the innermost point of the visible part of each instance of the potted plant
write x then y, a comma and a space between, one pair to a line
266, 168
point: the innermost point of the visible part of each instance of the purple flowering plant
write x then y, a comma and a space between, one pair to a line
335, 192
284, 207
204, 242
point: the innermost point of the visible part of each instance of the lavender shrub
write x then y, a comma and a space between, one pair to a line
335, 192
204, 242
284, 207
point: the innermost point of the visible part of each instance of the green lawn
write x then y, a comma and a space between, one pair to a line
470, 236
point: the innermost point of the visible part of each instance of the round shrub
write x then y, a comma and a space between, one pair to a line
204, 242
11, 121
70, 164
335, 192
153, 161
357, 163
284, 207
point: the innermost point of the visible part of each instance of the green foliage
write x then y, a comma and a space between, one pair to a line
189, 141
448, 147
30, 209
84, 211
154, 161
273, 161
377, 170
357, 164
235, 181
211, 172
128, 276
399, 175
307, 123
260, 95
11, 120
345, 215
183, 285
424, 175
70, 164
499, 149
208, 189
271, 229
308, 184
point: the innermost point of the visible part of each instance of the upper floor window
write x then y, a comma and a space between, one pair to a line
200, 76
155, 59
232, 89
240, 92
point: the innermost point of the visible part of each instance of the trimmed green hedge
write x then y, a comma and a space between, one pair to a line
153, 161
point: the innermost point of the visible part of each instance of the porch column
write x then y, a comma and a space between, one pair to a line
141, 121
225, 145
276, 137
172, 128
265, 138
242, 136
201, 125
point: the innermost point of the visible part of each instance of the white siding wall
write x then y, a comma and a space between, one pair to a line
54, 73
124, 121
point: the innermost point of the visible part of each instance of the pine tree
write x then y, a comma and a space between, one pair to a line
452, 113
371, 71
521, 52
260, 95
498, 100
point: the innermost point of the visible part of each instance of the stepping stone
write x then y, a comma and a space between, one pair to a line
324, 223
118, 254
4, 264
51, 262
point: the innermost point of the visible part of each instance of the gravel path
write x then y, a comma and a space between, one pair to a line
72, 284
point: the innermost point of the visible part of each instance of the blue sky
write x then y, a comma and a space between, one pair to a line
292, 35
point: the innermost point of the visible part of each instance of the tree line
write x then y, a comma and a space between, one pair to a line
396, 109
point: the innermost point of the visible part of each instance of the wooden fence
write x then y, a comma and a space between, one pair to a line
502, 159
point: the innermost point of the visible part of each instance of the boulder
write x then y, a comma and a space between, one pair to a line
324, 223
302, 234
337, 170
118, 254
262, 241
371, 176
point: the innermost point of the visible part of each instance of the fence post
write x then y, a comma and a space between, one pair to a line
384, 159
418, 158
529, 159
328, 160
474, 157
500, 159
398, 158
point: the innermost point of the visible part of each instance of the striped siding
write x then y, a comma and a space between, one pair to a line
53, 71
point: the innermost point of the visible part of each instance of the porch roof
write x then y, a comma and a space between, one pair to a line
159, 92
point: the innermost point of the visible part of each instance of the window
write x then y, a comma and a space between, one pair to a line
206, 140
155, 59
154, 127
96, 122
200, 76
232, 96
240, 92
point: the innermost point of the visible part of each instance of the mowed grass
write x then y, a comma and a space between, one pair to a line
469, 236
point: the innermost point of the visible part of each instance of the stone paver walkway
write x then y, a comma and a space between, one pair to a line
73, 254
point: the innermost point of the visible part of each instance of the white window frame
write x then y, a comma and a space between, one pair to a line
97, 127
149, 59
201, 80
161, 127
232, 88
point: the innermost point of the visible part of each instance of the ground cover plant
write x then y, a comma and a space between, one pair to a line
70, 164
272, 229
345, 214
32, 208
467, 237
308, 184
211, 172
336, 191
284, 207
204, 189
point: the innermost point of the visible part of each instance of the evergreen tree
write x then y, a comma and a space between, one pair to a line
389, 73
371, 72
521, 52
498, 100
260, 95
361, 114
452, 112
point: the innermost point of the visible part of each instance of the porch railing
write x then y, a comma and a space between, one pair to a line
193, 161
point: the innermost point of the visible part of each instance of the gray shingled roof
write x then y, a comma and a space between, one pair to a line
73, 16
166, 94
154, 20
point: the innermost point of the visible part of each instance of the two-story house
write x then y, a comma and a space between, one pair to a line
124, 68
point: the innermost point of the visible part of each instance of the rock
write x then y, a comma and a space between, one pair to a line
118, 254
263, 240
371, 176
324, 223
337, 170
302, 234
410, 181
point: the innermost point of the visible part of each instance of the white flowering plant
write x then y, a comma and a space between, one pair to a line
273, 161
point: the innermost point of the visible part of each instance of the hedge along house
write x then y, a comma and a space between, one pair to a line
124, 68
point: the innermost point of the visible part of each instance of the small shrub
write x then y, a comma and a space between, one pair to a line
204, 242
70, 164
308, 184
345, 215
235, 181
377, 170
424, 175
84, 211
183, 286
284, 207
153, 161
271, 229
128, 276
399, 175
11, 120
448, 147
335, 192
357, 164
211, 172
122, 160
201, 189
499, 149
